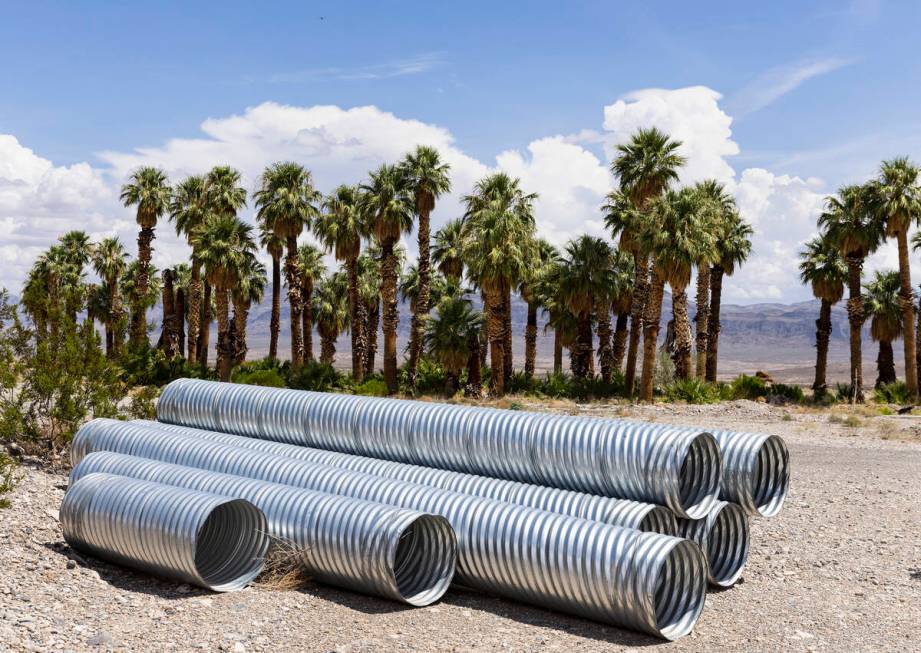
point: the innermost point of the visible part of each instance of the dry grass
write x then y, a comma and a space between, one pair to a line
284, 567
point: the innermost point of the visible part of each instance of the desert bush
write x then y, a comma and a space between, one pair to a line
842, 391
313, 375
792, 393
372, 386
431, 378
747, 387
692, 391
892, 393
556, 385
8, 478
142, 404
150, 366
521, 383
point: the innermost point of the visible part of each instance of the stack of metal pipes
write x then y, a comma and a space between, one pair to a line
616, 521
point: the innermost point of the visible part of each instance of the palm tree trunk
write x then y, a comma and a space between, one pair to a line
113, 318
530, 340
110, 340
224, 346
374, 316
582, 348
557, 352
917, 348
180, 320
240, 318
275, 322
702, 317
391, 316
168, 330
682, 333
357, 319
142, 284
474, 387
204, 332
637, 311
195, 302
651, 334
605, 355
822, 338
620, 341
484, 332
307, 317
292, 274
422, 298
495, 326
713, 323
327, 349
855, 319
507, 361
885, 364
907, 305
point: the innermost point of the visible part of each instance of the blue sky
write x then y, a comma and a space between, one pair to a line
818, 91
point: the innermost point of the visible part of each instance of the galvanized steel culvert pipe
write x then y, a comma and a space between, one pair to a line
644, 581
678, 468
192, 537
723, 535
619, 512
756, 471
399, 554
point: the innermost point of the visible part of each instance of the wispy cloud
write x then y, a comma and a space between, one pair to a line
385, 70
777, 82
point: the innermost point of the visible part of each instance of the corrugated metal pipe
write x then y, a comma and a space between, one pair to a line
676, 467
644, 581
399, 554
724, 537
756, 471
618, 512
189, 536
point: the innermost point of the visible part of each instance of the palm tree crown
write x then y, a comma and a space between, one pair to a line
286, 200
823, 268
148, 188
647, 165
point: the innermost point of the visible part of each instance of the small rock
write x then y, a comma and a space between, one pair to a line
71, 564
102, 638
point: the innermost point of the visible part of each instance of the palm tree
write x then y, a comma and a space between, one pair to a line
447, 252
182, 275
898, 203
732, 249
621, 293
388, 202
169, 335
546, 256
449, 336
884, 310
148, 188
498, 248
677, 235
109, 261
644, 167
332, 313
129, 286
286, 203
275, 247
249, 289
312, 268
369, 293
857, 231
427, 179
340, 229
823, 268
224, 244
188, 211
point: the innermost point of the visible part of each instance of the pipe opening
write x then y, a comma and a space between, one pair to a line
699, 481
231, 546
680, 590
424, 560
659, 519
771, 477
727, 545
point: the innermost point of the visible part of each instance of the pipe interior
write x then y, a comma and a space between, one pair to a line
771, 477
700, 476
727, 545
680, 590
424, 560
231, 546
659, 519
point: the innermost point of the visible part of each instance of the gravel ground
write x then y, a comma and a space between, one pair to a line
838, 570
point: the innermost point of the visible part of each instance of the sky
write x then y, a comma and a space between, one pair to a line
783, 102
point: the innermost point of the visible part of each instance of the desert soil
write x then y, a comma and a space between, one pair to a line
838, 570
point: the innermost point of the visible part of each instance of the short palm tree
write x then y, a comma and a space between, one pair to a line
388, 202
248, 290
898, 203
340, 228
109, 261
449, 336
188, 211
148, 189
676, 236
331, 310
287, 203
275, 247
857, 232
884, 310
545, 256
311, 269
823, 268
448, 250
645, 167
621, 292
427, 178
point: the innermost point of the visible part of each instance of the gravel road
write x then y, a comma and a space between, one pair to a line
838, 570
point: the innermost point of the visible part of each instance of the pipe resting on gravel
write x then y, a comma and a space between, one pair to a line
723, 535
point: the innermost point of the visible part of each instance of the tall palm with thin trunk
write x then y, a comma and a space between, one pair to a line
884, 310
857, 232
545, 256
109, 261
369, 292
249, 289
148, 189
188, 211
448, 250
824, 270
898, 202
427, 178
340, 228
287, 203
621, 292
388, 204
645, 166
331, 308
275, 248
676, 236
312, 268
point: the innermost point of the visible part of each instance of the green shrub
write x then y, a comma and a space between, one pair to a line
692, 391
556, 385
842, 391
747, 387
268, 378
142, 403
892, 393
371, 387
8, 478
150, 366
789, 392
431, 378
521, 383
313, 375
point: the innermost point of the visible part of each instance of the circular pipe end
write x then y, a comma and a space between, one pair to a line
726, 544
231, 545
681, 590
659, 519
424, 560
770, 477
699, 478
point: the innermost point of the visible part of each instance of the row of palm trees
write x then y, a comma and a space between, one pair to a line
854, 224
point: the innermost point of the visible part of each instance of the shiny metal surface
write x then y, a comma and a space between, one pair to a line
756, 471
723, 535
618, 512
644, 581
399, 554
675, 467
188, 536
